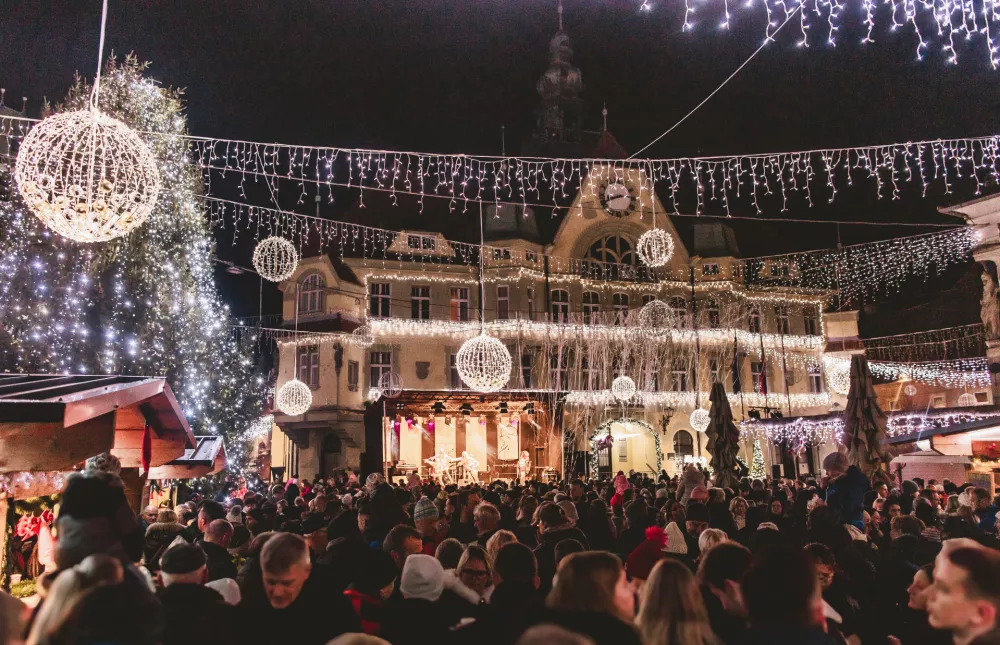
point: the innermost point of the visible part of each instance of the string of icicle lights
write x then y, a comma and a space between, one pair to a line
821, 430
944, 24
730, 184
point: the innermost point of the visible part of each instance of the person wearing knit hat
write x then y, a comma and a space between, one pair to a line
371, 588
426, 519
422, 578
644, 557
187, 601
675, 540
699, 494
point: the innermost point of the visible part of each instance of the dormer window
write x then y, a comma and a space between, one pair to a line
421, 242
711, 268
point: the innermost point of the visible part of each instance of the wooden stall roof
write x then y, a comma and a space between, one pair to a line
206, 458
73, 399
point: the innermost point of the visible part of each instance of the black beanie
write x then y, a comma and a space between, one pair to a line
183, 558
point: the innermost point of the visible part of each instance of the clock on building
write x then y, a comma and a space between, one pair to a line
618, 198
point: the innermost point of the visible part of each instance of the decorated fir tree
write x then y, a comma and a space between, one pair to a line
757, 468
142, 304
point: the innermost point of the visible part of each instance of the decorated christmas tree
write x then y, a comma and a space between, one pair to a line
143, 304
757, 468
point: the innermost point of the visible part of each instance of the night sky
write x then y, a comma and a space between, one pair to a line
444, 75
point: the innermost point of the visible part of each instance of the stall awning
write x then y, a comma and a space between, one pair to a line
206, 458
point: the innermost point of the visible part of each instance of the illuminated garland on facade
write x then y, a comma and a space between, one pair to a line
804, 429
686, 400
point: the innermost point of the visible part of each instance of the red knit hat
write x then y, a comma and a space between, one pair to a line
641, 561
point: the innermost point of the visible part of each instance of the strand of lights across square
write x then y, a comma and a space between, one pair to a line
754, 182
958, 373
804, 429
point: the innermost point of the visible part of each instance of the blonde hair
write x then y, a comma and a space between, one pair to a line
738, 501
68, 590
586, 582
474, 552
496, 542
709, 539
671, 610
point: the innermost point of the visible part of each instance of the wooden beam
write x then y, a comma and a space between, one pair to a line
49, 446
128, 448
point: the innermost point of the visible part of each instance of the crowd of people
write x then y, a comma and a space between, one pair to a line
628, 561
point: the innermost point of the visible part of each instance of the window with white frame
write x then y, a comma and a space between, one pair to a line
379, 363
560, 305
753, 321
679, 375
526, 369
713, 314
378, 300
531, 256
784, 324
308, 365
811, 325
651, 381
530, 292
647, 298
589, 374
591, 305
678, 306
459, 304
756, 370
421, 242
815, 379
353, 374
619, 302
311, 294
713, 371
559, 364
454, 380
710, 268
503, 302
420, 303
501, 253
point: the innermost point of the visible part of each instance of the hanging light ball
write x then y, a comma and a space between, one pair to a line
700, 419
275, 259
623, 388
838, 376
656, 319
483, 363
910, 389
390, 385
655, 247
294, 398
87, 176
363, 336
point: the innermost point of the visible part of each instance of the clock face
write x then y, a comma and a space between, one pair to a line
617, 199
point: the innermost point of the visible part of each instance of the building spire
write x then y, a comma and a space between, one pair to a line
560, 15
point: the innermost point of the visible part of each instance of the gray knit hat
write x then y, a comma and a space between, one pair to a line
425, 509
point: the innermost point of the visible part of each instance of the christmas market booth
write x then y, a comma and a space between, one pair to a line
51, 424
961, 444
208, 457
463, 437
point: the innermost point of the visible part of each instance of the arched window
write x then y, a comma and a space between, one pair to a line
311, 294
683, 443
591, 305
680, 308
616, 255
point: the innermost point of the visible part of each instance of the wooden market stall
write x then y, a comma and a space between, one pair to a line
208, 457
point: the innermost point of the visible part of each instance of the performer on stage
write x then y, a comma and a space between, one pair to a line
523, 466
441, 467
471, 466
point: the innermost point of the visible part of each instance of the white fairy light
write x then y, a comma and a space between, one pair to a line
623, 388
656, 319
700, 420
362, 336
390, 385
275, 259
655, 247
293, 398
483, 363
87, 176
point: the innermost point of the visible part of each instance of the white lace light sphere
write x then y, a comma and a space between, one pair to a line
390, 385
700, 419
87, 176
483, 363
275, 259
910, 389
656, 318
838, 377
655, 247
623, 388
294, 398
363, 336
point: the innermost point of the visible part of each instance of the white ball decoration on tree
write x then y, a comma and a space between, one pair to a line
390, 385
293, 398
656, 319
275, 259
700, 419
623, 388
483, 363
363, 336
87, 176
655, 247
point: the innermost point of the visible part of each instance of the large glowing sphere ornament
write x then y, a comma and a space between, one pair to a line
390, 385
483, 363
87, 176
655, 247
700, 419
623, 388
275, 259
363, 336
294, 398
656, 319
838, 376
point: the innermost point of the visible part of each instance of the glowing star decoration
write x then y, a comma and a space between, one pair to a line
294, 398
656, 319
483, 363
623, 388
700, 419
655, 247
275, 259
363, 337
390, 385
87, 176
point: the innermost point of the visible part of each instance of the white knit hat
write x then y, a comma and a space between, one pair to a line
675, 540
422, 578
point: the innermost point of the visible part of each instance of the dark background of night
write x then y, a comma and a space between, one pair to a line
444, 75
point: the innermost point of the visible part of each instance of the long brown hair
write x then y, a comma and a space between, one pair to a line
671, 611
586, 581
